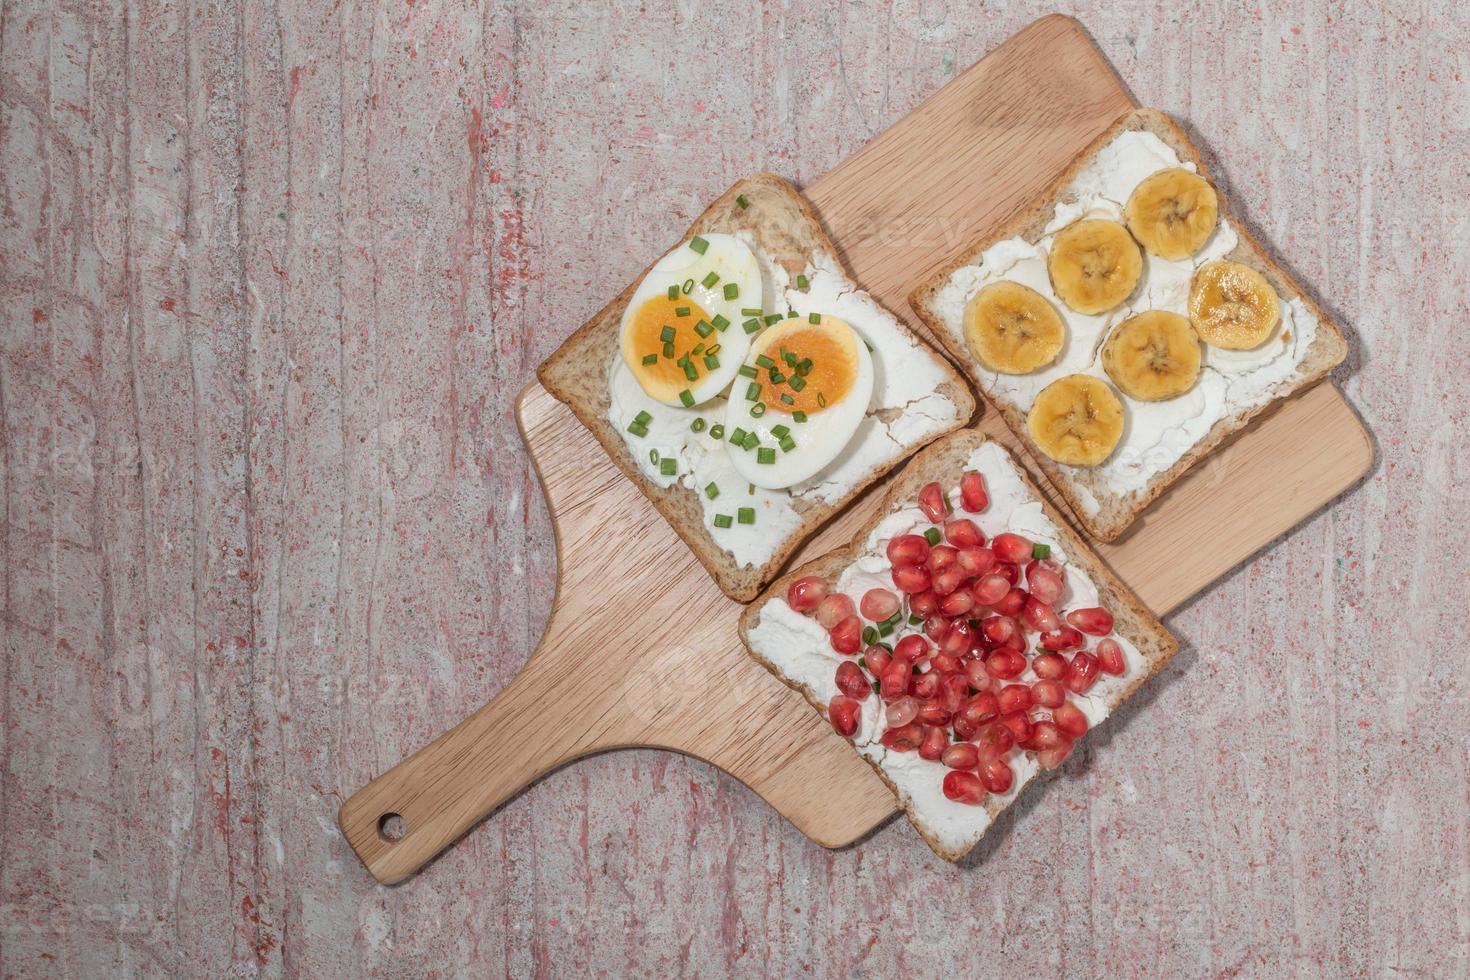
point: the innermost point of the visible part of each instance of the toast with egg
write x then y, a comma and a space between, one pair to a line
1159, 440
740, 532
775, 638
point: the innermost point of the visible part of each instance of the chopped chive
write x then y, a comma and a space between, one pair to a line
703, 328
668, 348
720, 321
745, 515
777, 377
765, 455
650, 358
875, 691
653, 456
688, 286
751, 441
787, 444
643, 418
915, 620
790, 314
732, 290
752, 391
674, 291
691, 373
758, 409
750, 489
893, 620
788, 357
637, 428
681, 311
698, 425
668, 466
773, 318
804, 366
713, 349
687, 398
798, 416
708, 281
698, 244
751, 311
751, 325
1040, 550
666, 334
870, 635
797, 383
802, 282
698, 349
815, 318
747, 370
788, 400
765, 361
712, 490
743, 201
821, 399
932, 534
711, 362
717, 431
780, 431
722, 520
738, 437
884, 630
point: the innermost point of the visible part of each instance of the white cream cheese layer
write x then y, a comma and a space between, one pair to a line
1156, 435
905, 411
798, 646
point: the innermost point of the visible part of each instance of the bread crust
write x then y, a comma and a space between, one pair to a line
787, 228
943, 461
1119, 511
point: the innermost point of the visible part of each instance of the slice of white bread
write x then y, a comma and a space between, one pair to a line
795, 647
1106, 499
788, 238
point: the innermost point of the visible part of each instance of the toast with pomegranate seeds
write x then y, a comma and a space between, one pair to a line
741, 533
1029, 639
1158, 431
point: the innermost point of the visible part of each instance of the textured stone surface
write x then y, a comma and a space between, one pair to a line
271, 279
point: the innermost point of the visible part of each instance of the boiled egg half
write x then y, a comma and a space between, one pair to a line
799, 398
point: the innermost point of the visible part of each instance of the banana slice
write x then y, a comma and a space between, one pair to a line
1153, 356
1232, 305
1076, 420
1011, 328
1172, 213
1094, 265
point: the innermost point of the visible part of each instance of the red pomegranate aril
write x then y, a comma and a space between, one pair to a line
877, 659
936, 740
1015, 697
934, 713
990, 589
1019, 724
998, 629
1043, 583
1005, 664
852, 681
843, 713
957, 603
847, 636
1044, 735
1050, 666
953, 690
996, 775
1109, 655
1016, 643
977, 676
1094, 620
961, 755
979, 709
1048, 693
907, 550
944, 663
963, 787
878, 605
975, 561
1011, 603
1009, 570
806, 593
963, 533
956, 641
894, 683
924, 604
924, 686
936, 627
1054, 757
942, 556
1063, 638
911, 647
904, 739
949, 579
994, 740
1011, 547
1039, 615
1070, 719
1082, 673
932, 502
974, 495
911, 578
901, 712
834, 609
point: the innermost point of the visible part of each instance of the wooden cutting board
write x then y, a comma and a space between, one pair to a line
641, 648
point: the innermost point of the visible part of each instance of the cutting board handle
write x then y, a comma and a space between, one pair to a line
398, 822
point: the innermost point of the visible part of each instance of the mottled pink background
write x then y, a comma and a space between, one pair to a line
271, 280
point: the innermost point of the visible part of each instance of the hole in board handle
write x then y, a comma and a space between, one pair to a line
392, 827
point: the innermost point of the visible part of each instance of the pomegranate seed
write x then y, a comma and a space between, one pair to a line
957, 603
977, 676
963, 533
1039, 615
934, 713
1005, 664
961, 755
948, 580
1015, 697
963, 787
1051, 666
852, 681
925, 686
934, 743
956, 642
976, 561
990, 589
1053, 758
942, 556
1043, 583
1048, 693
911, 578
901, 712
953, 690
944, 663
998, 629
894, 683
994, 740
1011, 603
979, 709
1011, 547
805, 594
911, 647
847, 636
1016, 643
834, 609
878, 605
1018, 723
974, 496
843, 713
877, 659
1045, 735
1009, 570
1110, 657
936, 628
908, 550
1082, 673
932, 502
904, 739
1065, 638
996, 775
924, 604
1070, 719
1094, 621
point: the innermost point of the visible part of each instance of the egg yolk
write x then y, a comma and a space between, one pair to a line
646, 336
826, 354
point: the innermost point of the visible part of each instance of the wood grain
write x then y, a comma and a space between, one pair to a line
619, 666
